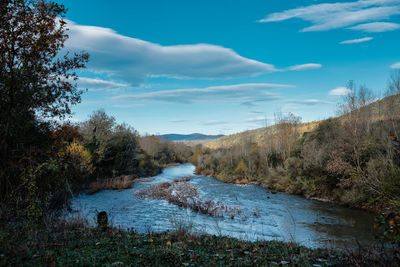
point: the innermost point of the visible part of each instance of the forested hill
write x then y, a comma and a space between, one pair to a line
353, 159
188, 137
256, 135
375, 110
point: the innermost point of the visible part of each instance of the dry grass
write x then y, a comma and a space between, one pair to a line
117, 183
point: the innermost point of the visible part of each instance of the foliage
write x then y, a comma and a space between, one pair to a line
388, 227
117, 183
165, 152
241, 168
36, 82
117, 151
86, 246
353, 159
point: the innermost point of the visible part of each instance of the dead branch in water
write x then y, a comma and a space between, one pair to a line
183, 194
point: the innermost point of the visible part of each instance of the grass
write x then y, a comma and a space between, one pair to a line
117, 183
84, 247
71, 243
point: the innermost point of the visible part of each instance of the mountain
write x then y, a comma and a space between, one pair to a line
188, 137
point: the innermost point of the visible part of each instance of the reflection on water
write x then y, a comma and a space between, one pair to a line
280, 216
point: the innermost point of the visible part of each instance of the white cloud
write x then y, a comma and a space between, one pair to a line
258, 119
339, 91
133, 60
256, 112
308, 66
214, 122
129, 106
356, 41
307, 102
177, 121
376, 27
328, 16
395, 65
241, 93
98, 84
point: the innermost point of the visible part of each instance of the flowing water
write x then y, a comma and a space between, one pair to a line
264, 216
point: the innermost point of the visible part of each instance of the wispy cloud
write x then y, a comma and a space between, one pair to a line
328, 16
308, 102
258, 119
308, 66
214, 122
133, 60
241, 93
177, 121
256, 112
340, 91
376, 27
98, 84
356, 41
395, 65
128, 106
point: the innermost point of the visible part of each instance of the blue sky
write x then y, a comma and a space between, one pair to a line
220, 67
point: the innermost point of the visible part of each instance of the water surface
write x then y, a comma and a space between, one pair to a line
279, 216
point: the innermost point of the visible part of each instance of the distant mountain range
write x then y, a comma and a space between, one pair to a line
188, 137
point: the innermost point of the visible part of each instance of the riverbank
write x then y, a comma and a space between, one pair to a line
282, 184
181, 241
260, 215
124, 181
71, 244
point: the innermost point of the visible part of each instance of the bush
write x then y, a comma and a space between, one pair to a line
117, 183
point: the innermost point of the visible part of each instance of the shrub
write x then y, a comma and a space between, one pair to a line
241, 168
117, 183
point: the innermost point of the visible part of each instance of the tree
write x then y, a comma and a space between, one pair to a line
151, 144
357, 117
393, 101
287, 132
114, 148
36, 80
99, 125
241, 168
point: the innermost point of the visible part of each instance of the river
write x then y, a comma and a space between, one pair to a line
279, 216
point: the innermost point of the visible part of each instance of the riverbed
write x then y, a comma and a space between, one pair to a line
264, 216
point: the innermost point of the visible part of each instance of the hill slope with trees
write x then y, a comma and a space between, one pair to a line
353, 159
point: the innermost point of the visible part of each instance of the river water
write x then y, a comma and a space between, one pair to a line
278, 216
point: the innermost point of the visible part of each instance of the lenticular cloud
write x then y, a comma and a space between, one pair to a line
134, 60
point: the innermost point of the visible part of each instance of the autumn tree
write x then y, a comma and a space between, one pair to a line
287, 132
241, 168
37, 80
151, 144
393, 101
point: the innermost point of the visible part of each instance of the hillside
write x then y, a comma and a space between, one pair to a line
376, 110
353, 159
256, 135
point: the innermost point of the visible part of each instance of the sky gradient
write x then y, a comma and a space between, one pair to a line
220, 67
